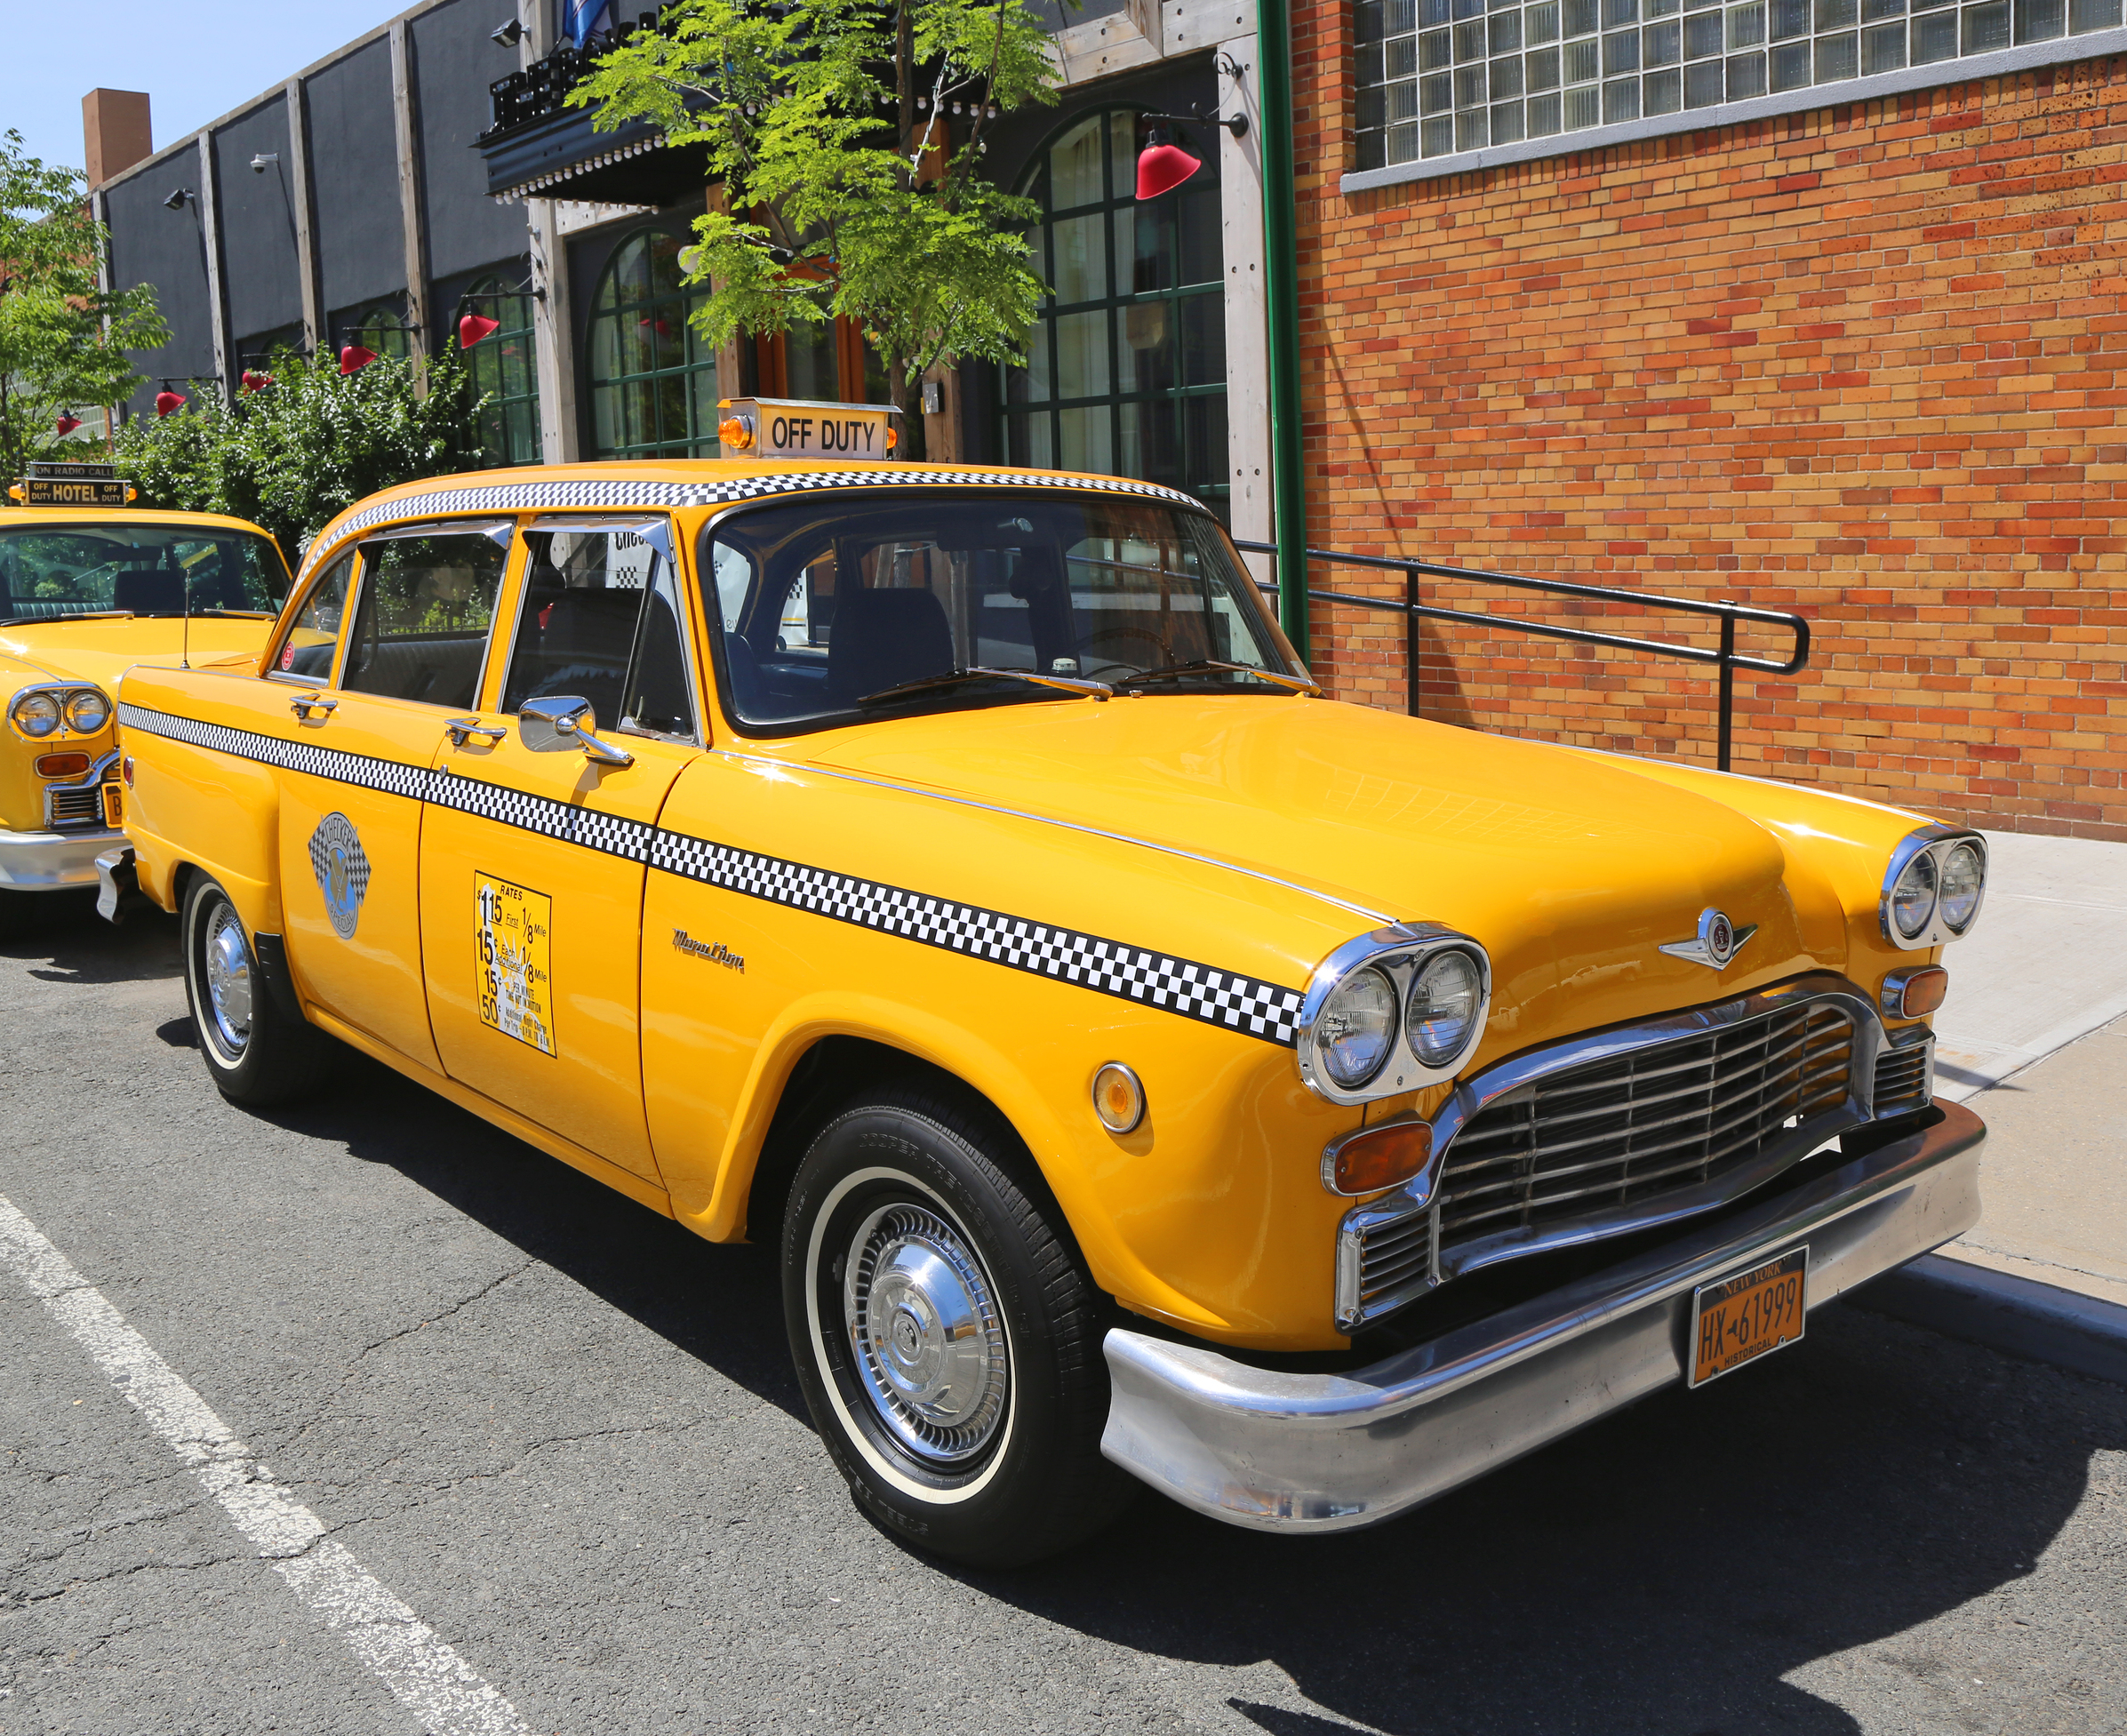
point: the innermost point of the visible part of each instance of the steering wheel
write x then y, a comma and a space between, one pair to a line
1158, 644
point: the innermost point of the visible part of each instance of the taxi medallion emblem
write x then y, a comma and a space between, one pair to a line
343, 869
1717, 941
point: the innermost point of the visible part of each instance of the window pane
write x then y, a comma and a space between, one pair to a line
1836, 58
421, 629
1883, 48
1075, 166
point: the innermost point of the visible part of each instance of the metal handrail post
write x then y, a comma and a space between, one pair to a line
1411, 639
1728, 688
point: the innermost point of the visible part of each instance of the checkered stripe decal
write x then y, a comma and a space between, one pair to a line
1224, 999
508, 498
1108, 967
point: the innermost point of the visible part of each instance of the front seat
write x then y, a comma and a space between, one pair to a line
149, 590
881, 638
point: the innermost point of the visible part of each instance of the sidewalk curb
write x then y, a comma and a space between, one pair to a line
2038, 1321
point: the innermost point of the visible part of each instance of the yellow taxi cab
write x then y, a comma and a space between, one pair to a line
88, 587
1142, 1063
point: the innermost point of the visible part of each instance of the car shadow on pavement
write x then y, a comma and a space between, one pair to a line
1662, 1571
75, 945
720, 1305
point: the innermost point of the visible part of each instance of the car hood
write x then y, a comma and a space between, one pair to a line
102, 651
1571, 867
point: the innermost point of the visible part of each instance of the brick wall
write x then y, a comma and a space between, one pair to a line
1865, 363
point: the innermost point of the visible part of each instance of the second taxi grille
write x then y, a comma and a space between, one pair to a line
80, 805
1616, 1133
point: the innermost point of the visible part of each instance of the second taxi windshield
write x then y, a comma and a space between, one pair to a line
48, 572
828, 604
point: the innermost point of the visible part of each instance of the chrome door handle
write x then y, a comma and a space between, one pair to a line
304, 704
462, 728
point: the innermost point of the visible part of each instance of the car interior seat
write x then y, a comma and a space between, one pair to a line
882, 638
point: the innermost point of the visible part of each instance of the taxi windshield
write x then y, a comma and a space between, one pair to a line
830, 606
49, 571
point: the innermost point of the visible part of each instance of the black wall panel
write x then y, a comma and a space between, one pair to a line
258, 221
165, 249
454, 62
355, 173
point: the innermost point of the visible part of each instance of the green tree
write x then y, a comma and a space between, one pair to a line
825, 122
63, 342
292, 454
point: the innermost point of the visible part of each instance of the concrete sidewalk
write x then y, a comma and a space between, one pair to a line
2033, 1037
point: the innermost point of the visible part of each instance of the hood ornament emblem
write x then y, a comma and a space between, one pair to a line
1717, 941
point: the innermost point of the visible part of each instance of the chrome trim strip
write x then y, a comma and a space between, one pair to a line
744, 758
1276, 1451
1938, 840
1533, 1066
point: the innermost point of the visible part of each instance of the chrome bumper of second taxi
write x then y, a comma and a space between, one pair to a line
53, 861
1282, 1452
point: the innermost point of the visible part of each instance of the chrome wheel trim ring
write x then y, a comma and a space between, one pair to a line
225, 962
928, 1347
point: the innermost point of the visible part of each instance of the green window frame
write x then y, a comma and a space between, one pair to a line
503, 367
654, 380
1126, 363
382, 331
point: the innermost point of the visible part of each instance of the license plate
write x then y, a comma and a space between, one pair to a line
113, 807
1741, 1319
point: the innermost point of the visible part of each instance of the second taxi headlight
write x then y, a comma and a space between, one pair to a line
1963, 877
87, 711
1443, 1007
1356, 1028
36, 715
1912, 897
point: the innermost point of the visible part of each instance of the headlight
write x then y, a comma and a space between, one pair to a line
1963, 875
1913, 899
1443, 1004
1933, 888
1356, 1028
36, 715
1392, 1011
87, 712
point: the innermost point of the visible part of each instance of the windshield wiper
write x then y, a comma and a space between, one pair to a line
77, 614
1090, 689
1212, 665
238, 614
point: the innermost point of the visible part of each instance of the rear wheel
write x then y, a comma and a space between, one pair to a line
255, 1053
946, 1335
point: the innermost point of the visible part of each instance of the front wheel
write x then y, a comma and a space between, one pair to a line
255, 1053
946, 1335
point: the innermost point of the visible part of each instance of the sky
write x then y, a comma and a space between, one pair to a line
196, 59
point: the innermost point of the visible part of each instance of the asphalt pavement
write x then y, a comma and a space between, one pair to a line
562, 1432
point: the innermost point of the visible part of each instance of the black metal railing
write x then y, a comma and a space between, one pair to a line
1726, 657
542, 88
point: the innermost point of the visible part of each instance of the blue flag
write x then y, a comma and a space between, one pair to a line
581, 19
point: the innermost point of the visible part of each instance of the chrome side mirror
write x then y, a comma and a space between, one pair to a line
554, 725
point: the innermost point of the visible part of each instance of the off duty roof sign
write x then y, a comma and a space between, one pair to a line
69, 484
794, 427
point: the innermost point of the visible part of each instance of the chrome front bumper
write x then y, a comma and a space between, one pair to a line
1330, 1452
53, 861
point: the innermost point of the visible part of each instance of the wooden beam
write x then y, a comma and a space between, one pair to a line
412, 227
210, 237
316, 340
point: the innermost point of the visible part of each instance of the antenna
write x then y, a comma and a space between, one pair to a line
184, 654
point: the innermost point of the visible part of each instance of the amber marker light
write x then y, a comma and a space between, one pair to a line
1914, 993
1376, 1158
62, 765
1118, 1098
736, 432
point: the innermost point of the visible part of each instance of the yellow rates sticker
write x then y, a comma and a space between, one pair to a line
516, 953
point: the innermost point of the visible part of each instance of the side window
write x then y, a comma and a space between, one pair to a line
421, 626
308, 654
601, 620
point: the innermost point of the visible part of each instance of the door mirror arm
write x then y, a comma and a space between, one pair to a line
554, 725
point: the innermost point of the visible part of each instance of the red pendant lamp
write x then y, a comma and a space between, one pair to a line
256, 382
1162, 165
67, 424
475, 327
354, 359
166, 401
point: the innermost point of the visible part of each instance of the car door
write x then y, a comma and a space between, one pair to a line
535, 846
363, 742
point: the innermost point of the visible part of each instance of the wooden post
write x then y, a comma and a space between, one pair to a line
316, 340
412, 226
553, 319
209, 235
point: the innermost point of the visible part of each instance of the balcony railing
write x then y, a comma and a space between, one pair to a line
541, 89
1727, 659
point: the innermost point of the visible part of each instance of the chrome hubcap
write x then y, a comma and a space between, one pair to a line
929, 1349
228, 972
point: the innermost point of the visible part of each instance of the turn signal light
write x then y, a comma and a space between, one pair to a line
737, 432
1376, 1158
1118, 1098
894, 438
63, 766
1914, 993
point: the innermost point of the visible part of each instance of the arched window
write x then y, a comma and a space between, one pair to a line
382, 331
500, 368
653, 381
1126, 363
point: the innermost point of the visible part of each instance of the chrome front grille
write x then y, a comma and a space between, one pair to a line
1653, 1130
74, 804
1905, 1074
1619, 1131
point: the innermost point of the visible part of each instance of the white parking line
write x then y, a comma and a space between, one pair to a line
425, 1675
